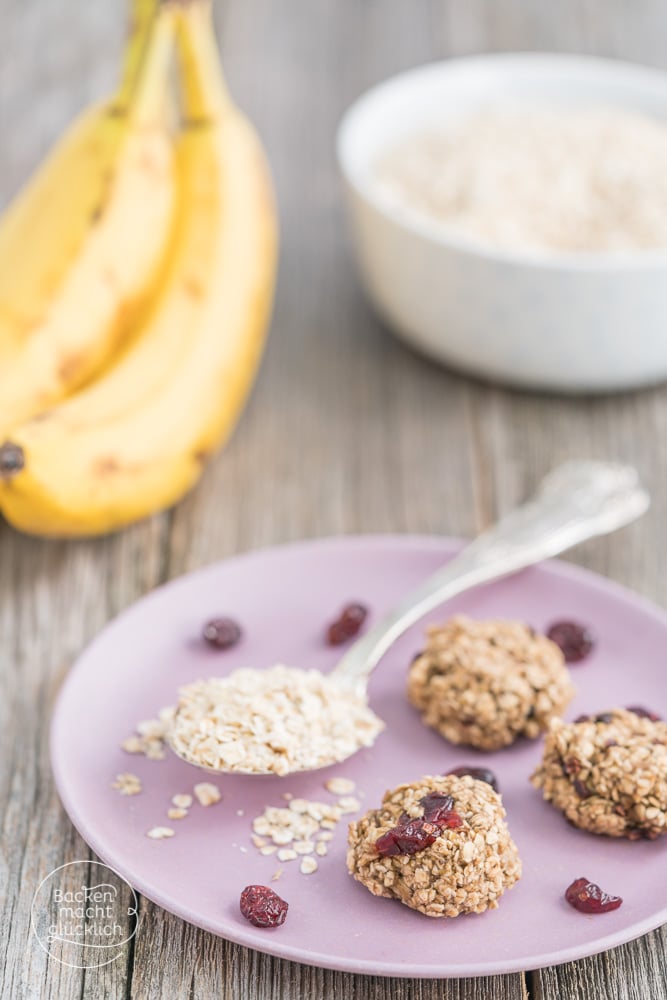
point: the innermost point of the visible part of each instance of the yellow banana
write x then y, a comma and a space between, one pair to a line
135, 440
82, 244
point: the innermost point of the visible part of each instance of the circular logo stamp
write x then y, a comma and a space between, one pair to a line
84, 913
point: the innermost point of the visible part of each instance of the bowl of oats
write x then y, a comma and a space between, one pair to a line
509, 216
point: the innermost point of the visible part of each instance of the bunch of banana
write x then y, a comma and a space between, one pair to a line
81, 246
135, 438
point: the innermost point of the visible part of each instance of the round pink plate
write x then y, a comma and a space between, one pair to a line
284, 597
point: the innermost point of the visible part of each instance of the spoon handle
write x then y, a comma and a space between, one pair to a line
578, 500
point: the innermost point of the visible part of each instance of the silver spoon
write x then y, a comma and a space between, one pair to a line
576, 501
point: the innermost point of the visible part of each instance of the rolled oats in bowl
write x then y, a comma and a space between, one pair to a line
276, 721
439, 845
485, 683
539, 180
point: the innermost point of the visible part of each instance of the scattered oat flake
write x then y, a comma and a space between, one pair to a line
150, 736
340, 786
127, 784
206, 793
282, 837
268, 849
349, 804
177, 813
287, 796
160, 833
308, 866
287, 854
182, 801
133, 744
152, 729
300, 830
277, 874
240, 812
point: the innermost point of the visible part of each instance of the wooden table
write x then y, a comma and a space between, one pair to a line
347, 431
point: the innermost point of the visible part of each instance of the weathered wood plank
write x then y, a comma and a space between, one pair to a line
635, 971
347, 431
209, 966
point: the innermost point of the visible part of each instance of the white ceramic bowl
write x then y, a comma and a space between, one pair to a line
573, 322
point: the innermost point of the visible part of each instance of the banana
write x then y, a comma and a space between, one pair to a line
135, 440
80, 246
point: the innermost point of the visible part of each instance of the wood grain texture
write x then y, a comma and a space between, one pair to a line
346, 431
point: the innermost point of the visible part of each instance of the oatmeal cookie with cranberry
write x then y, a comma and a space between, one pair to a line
607, 773
440, 846
485, 683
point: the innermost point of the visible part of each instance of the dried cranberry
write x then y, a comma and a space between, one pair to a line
587, 897
582, 718
262, 906
605, 717
447, 819
436, 802
580, 788
574, 641
386, 845
347, 625
480, 773
439, 809
408, 838
572, 765
644, 713
222, 633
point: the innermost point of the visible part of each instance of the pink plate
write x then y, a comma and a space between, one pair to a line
284, 597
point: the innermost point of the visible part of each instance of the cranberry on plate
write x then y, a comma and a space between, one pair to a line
587, 897
262, 906
575, 641
480, 773
348, 624
222, 633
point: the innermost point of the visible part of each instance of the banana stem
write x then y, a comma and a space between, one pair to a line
144, 94
205, 96
142, 15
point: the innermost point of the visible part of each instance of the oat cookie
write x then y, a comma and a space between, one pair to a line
484, 683
608, 773
469, 859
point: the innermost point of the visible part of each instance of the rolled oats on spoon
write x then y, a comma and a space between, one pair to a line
271, 721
